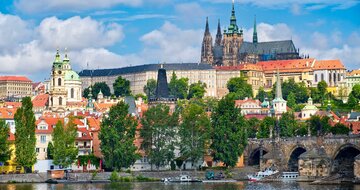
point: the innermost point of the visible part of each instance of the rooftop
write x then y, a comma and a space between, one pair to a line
143, 68
15, 78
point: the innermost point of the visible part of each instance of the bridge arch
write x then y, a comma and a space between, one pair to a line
293, 161
343, 160
254, 157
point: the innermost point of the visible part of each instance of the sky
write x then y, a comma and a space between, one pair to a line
119, 33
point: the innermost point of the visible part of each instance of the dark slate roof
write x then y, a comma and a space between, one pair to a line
143, 68
218, 52
286, 46
354, 115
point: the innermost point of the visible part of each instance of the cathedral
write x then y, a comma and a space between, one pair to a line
65, 85
230, 49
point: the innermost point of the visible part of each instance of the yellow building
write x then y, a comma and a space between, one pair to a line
11, 166
15, 87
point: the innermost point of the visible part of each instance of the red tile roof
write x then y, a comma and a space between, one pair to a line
94, 123
40, 100
50, 122
85, 134
284, 66
7, 113
258, 116
240, 102
12, 104
248, 66
328, 64
15, 78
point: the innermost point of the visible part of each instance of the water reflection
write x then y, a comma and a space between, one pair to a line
162, 186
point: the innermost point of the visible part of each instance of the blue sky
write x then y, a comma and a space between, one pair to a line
118, 33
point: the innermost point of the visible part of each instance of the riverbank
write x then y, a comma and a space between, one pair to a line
238, 174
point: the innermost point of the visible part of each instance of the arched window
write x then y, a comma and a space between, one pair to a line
315, 78
334, 77
339, 77
329, 77
72, 93
60, 101
322, 76
59, 81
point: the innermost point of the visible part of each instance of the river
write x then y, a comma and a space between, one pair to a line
193, 186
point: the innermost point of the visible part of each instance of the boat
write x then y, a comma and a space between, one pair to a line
289, 175
181, 179
262, 174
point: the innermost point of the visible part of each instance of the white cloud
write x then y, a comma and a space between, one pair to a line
35, 6
13, 30
191, 12
172, 44
285, 4
267, 32
78, 33
319, 40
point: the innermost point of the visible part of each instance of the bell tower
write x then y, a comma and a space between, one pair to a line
58, 94
207, 46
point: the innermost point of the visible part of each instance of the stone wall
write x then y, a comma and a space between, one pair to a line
23, 178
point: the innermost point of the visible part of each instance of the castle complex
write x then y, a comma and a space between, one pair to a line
230, 49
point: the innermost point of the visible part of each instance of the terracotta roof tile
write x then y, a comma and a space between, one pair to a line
40, 100
328, 64
284, 66
15, 78
7, 113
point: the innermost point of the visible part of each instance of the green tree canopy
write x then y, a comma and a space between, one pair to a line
291, 100
150, 87
194, 132
229, 132
319, 125
197, 90
105, 89
240, 88
178, 87
5, 151
159, 134
117, 135
264, 130
253, 124
50, 151
121, 87
289, 86
261, 95
288, 124
25, 139
339, 129
321, 89
64, 151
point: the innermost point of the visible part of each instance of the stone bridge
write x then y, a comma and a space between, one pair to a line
335, 154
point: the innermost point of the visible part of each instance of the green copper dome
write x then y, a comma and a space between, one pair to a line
71, 75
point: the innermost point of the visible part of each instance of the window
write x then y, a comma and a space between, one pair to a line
72, 93
315, 78
43, 139
60, 101
59, 81
37, 150
322, 76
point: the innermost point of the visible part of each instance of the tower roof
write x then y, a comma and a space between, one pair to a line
57, 57
162, 90
207, 30
233, 28
278, 93
255, 38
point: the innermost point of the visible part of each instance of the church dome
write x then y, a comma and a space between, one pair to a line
71, 75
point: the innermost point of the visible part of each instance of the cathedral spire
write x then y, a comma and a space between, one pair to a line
57, 56
278, 94
255, 38
218, 35
207, 30
233, 17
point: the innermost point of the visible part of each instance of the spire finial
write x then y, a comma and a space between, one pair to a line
278, 86
65, 52
207, 30
255, 38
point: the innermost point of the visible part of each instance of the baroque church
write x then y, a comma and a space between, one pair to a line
65, 85
230, 49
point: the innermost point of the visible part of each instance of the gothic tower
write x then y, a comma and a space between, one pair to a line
279, 104
207, 46
218, 35
58, 93
255, 37
218, 49
233, 38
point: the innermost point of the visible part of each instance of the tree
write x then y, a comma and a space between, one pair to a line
5, 151
356, 91
178, 87
64, 137
197, 90
158, 134
150, 87
352, 101
315, 95
105, 89
240, 88
262, 94
121, 87
339, 129
194, 132
229, 132
321, 87
291, 101
319, 125
50, 151
117, 135
25, 140
267, 124
287, 124
253, 126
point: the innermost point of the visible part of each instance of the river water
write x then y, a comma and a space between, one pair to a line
193, 186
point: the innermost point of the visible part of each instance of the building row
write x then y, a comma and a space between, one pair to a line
262, 74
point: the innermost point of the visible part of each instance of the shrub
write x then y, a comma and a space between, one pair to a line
114, 176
